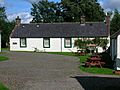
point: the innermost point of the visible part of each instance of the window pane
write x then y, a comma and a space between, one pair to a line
68, 42
46, 42
23, 42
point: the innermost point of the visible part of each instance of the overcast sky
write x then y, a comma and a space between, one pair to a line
22, 8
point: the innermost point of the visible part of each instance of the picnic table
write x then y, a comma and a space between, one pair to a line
95, 56
94, 61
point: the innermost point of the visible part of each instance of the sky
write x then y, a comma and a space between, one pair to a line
22, 8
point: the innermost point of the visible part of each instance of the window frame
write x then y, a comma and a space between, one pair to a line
70, 43
21, 43
44, 43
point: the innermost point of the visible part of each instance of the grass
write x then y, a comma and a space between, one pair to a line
2, 87
63, 53
84, 58
3, 58
94, 70
5, 48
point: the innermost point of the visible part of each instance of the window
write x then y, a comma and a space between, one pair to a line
23, 42
46, 42
68, 42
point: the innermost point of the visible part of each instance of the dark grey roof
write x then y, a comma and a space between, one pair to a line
115, 34
97, 29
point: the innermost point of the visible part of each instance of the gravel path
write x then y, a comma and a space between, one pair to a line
40, 71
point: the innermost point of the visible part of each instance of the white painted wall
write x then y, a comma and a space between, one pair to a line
118, 46
118, 53
16, 46
56, 45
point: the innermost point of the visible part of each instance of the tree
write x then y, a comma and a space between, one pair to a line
115, 22
99, 42
2, 14
5, 26
67, 11
46, 12
74, 9
82, 43
102, 42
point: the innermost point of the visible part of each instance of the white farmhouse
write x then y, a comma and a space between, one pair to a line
54, 37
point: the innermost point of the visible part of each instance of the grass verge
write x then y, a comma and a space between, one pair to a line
2, 87
6, 49
3, 58
63, 53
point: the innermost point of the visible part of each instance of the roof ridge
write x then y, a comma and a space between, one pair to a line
58, 23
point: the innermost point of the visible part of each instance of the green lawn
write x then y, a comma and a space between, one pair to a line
3, 58
5, 49
94, 70
63, 53
2, 87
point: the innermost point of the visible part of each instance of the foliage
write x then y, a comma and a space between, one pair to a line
67, 11
5, 26
74, 9
81, 43
46, 12
100, 42
2, 14
115, 22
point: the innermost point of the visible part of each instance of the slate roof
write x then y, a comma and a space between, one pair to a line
57, 30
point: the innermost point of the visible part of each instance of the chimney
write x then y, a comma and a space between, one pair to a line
108, 23
82, 19
18, 21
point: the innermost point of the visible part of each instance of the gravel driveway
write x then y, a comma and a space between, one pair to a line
40, 71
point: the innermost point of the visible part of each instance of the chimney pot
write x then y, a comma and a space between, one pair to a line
82, 20
18, 21
108, 23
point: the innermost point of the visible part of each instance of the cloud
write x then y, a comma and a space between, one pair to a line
110, 4
2, 2
34, 1
25, 17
